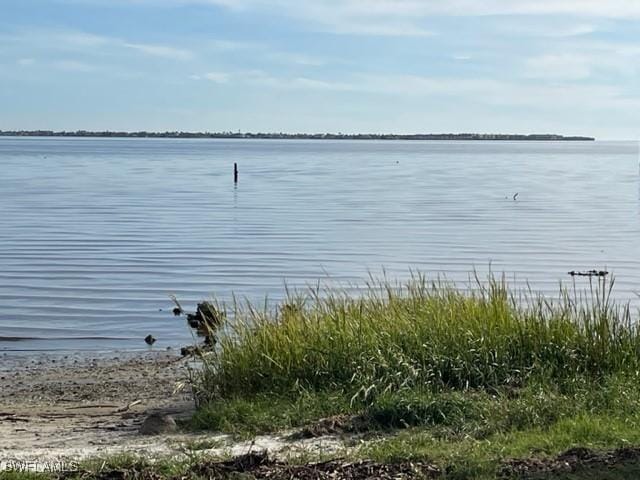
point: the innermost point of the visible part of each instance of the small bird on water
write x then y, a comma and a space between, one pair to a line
149, 339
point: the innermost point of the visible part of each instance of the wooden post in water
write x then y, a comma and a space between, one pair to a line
235, 173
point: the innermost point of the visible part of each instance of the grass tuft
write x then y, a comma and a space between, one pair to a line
467, 378
425, 336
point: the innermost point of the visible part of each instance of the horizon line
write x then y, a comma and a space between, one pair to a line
299, 135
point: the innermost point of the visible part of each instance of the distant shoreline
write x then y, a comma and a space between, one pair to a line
298, 136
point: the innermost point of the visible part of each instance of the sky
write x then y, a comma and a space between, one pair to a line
404, 66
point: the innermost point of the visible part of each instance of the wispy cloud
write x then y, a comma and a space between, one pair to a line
596, 8
216, 77
74, 66
265, 79
583, 60
408, 17
160, 50
558, 67
79, 41
486, 91
266, 52
296, 59
233, 45
514, 93
413, 8
75, 38
413, 17
545, 27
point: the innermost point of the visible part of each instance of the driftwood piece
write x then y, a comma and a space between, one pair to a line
206, 321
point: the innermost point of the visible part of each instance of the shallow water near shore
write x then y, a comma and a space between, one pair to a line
96, 233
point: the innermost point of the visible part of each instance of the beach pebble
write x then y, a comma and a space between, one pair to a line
157, 424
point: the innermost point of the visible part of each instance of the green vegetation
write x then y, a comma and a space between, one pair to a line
473, 457
420, 337
476, 382
464, 378
15, 475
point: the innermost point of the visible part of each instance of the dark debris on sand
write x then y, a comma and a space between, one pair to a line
258, 465
336, 425
571, 461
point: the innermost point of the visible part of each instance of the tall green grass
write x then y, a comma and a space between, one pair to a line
471, 376
423, 335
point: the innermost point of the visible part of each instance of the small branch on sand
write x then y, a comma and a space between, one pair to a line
80, 407
129, 406
10, 417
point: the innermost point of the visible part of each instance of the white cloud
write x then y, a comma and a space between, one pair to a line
265, 51
407, 17
160, 51
412, 17
314, 84
596, 8
583, 60
80, 39
423, 8
558, 67
497, 93
264, 79
217, 77
556, 28
25, 62
569, 31
71, 40
487, 91
353, 17
412, 8
296, 58
233, 45
607, 49
74, 66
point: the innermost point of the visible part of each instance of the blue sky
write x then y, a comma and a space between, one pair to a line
521, 66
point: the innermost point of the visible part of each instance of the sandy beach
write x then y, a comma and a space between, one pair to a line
60, 406
73, 408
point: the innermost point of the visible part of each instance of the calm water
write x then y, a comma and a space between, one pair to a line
96, 233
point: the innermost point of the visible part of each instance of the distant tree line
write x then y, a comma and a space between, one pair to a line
295, 136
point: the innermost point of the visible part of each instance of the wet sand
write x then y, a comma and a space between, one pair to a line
54, 408
72, 407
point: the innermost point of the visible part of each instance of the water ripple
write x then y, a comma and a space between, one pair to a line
96, 235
